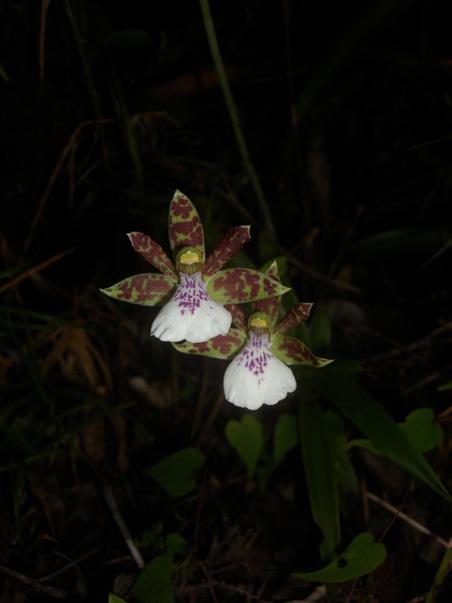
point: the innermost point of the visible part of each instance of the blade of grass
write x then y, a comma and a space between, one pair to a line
321, 477
233, 116
35, 269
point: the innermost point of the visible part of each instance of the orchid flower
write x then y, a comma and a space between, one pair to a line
193, 289
262, 352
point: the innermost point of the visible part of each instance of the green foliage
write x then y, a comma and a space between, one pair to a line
115, 599
384, 433
176, 472
361, 557
246, 437
446, 387
154, 584
175, 544
284, 437
421, 429
346, 476
441, 574
321, 477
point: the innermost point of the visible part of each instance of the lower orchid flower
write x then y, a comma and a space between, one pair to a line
194, 290
262, 352
256, 376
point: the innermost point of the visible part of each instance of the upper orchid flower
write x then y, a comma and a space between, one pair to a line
259, 374
194, 289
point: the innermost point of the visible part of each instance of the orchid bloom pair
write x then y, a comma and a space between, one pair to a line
200, 303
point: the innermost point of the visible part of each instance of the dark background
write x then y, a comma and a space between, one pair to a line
106, 108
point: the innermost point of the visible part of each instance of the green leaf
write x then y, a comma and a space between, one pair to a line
142, 289
445, 387
372, 419
346, 476
184, 226
241, 285
221, 346
441, 574
422, 429
176, 472
115, 599
361, 557
154, 584
284, 437
320, 329
321, 478
175, 544
293, 351
246, 437
227, 248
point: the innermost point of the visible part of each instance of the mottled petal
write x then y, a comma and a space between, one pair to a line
294, 317
184, 226
293, 351
191, 314
229, 245
271, 305
221, 346
238, 317
256, 377
240, 285
152, 253
143, 289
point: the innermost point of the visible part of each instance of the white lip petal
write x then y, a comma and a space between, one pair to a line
191, 314
256, 377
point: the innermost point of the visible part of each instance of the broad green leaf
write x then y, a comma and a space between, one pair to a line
284, 437
422, 429
246, 437
143, 289
154, 584
292, 351
184, 226
229, 245
115, 599
175, 544
372, 419
321, 478
176, 472
361, 557
152, 253
271, 305
241, 285
296, 315
221, 346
